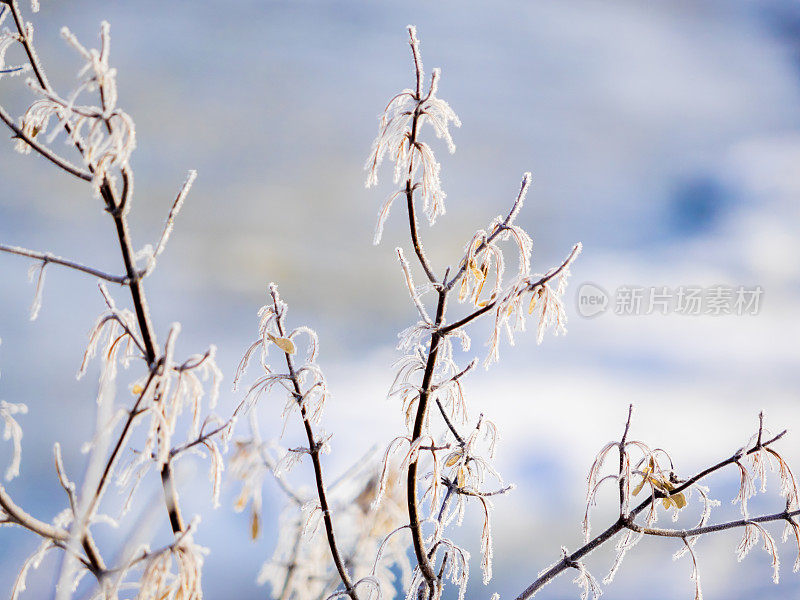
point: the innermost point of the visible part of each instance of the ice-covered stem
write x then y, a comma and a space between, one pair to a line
59, 537
23, 519
505, 225
622, 458
43, 150
627, 522
785, 515
424, 562
27, 43
410, 187
452, 487
116, 209
314, 448
47, 258
459, 438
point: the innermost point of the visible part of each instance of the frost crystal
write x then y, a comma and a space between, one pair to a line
12, 431
398, 137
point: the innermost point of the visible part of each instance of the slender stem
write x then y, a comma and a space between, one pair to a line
20, 517
686, 533
44, 150
314, 451
46, 258
123, 436
28, 45
622, 458
200, 439
453, 487
38, 71
171, 499
412, 145
136, 286
413, 504
412, 220
449, 423
498, 230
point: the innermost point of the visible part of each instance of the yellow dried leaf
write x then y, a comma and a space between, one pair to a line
283, 343
137, 389
476, 272
452, 459
410, 412
463, 290
479, 289
255, 525
535, 298
461, 479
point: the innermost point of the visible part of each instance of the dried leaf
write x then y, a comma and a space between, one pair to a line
283, 343
255, 525
452, 459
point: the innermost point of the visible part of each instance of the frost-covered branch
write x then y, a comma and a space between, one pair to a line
528, 286
429, 343
45, 258
309, 401
103, 137
672, 492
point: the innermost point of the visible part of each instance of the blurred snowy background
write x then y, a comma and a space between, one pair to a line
663, 135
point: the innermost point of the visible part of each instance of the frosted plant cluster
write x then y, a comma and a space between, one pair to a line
166, 411
383, 528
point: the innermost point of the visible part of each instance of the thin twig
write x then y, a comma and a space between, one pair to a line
622, 480
314, 451
23, 519
46, 258
497, 231
684, 533
54, 158
410, 188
